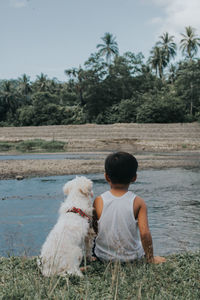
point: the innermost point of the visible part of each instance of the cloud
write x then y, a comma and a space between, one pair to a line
18, 3
178, 14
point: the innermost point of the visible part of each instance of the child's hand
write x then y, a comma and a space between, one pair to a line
158, 260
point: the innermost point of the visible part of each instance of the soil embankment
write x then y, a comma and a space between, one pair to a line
154, 145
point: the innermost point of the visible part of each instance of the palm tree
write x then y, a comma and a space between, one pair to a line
54, 86
41, 82
190, 42
109, 48
168, 45
25, 86
9, 96
158, 60
77, 77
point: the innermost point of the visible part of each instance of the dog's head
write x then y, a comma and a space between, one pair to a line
81, 184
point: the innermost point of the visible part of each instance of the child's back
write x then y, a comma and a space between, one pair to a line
119, 212
118, 237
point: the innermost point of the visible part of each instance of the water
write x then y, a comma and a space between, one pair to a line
85, 156
28, 209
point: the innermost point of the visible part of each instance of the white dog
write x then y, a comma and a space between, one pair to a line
68, 241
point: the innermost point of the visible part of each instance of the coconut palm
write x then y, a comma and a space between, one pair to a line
41, 82
77, 77
25, 86
8, 96
190, 42
158, 60
168, 45
109, 48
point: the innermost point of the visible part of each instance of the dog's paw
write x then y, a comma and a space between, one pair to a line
75, 273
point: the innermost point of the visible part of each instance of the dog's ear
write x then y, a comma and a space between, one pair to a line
86, 188
67, 187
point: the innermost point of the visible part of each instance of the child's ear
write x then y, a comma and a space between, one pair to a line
134, 178
106, 177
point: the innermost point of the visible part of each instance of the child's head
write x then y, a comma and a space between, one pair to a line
121, 167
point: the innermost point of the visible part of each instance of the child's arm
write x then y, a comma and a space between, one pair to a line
140, 212
98, 207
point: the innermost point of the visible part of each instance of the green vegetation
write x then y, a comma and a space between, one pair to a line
178, 278
112, 87
6, 146
36, 145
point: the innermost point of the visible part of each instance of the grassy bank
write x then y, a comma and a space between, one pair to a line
31, 146
178, 278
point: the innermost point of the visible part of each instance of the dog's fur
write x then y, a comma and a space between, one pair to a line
70, 238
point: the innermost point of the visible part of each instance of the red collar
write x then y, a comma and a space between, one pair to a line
78, 211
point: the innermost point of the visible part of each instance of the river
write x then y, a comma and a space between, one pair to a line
28, 209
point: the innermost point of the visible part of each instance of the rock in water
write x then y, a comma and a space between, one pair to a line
19, 177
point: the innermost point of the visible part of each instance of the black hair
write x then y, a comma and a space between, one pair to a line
121, 167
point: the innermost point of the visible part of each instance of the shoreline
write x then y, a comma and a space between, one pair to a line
20, 169
155, 146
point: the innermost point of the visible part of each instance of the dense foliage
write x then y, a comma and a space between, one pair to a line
111, 88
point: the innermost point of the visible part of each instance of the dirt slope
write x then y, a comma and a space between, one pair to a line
132, 137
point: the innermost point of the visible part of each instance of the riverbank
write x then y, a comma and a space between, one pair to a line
178, 278
154, 145
11, 169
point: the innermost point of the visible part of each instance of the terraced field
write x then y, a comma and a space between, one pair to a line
132, 137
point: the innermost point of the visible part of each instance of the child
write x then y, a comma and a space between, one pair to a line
119, 212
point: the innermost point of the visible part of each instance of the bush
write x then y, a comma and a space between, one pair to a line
5, 146
74, 115
53, 145
161, 108
25, 115
124, 112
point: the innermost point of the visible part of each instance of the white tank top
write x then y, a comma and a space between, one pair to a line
117, 237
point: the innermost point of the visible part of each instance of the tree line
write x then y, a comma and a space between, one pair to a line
112, 88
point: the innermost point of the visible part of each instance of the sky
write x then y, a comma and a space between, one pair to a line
50, 36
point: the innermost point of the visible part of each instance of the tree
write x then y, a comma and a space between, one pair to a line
190, 42
25, 87
96, 65
9, 100
109, 48
124, 112
172, 73
41, 83
77, 80
163, 107
158, 60
119, 80
53, 86
134, 62
187, 86
168, 45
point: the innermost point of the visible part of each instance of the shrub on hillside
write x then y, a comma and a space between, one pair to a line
161, 108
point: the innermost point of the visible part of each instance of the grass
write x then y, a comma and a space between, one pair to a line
32, 146
5, 146
178, 278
